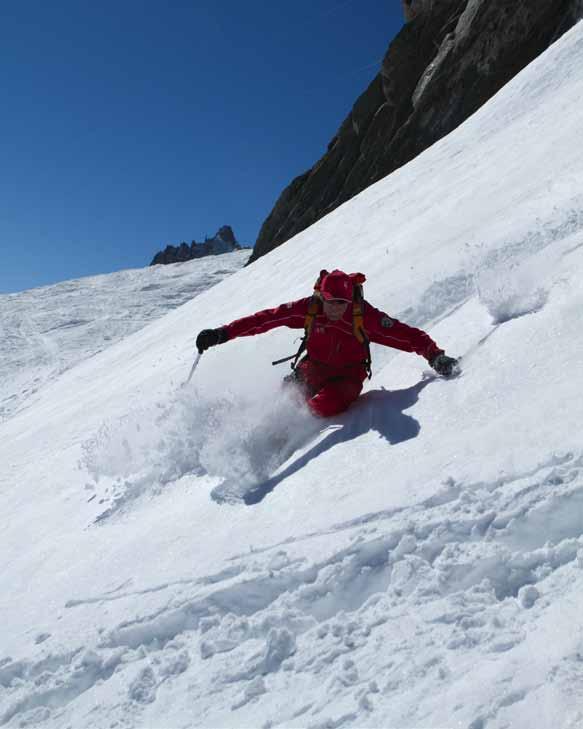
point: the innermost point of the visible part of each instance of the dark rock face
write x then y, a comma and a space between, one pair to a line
444, 64
223, 242
413, 8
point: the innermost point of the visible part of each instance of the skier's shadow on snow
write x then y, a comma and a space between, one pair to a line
380, 410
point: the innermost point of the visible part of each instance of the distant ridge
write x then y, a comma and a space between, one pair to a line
223, 241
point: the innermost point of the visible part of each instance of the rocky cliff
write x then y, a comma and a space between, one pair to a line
450, 57
223, 242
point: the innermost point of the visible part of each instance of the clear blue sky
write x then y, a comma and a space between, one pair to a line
129, 125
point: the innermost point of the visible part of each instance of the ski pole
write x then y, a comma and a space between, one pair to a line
194, 366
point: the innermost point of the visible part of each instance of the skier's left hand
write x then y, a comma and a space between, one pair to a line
444, 365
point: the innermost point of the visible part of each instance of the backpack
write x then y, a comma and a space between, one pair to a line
314, 307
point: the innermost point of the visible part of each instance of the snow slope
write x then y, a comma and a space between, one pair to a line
48, 330
416, 562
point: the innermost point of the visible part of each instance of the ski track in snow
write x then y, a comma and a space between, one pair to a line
454, 561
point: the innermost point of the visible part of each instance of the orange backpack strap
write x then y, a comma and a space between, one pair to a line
358, 304
313, 310
314, 306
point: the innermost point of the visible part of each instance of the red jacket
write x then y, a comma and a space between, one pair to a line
334, 343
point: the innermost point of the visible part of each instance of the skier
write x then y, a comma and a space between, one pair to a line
338, 324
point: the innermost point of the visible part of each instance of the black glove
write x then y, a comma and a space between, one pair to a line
444, 365
209, 337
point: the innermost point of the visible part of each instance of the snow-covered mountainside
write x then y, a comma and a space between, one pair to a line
211, 556
46, 331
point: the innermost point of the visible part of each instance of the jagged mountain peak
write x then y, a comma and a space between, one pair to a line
224, 241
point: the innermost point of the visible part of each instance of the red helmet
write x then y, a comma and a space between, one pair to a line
336, 285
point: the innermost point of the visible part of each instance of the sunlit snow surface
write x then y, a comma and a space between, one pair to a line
212, 556
48, 330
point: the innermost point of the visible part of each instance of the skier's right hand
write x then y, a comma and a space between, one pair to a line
209, 338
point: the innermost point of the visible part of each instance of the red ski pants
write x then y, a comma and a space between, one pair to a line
329, 390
